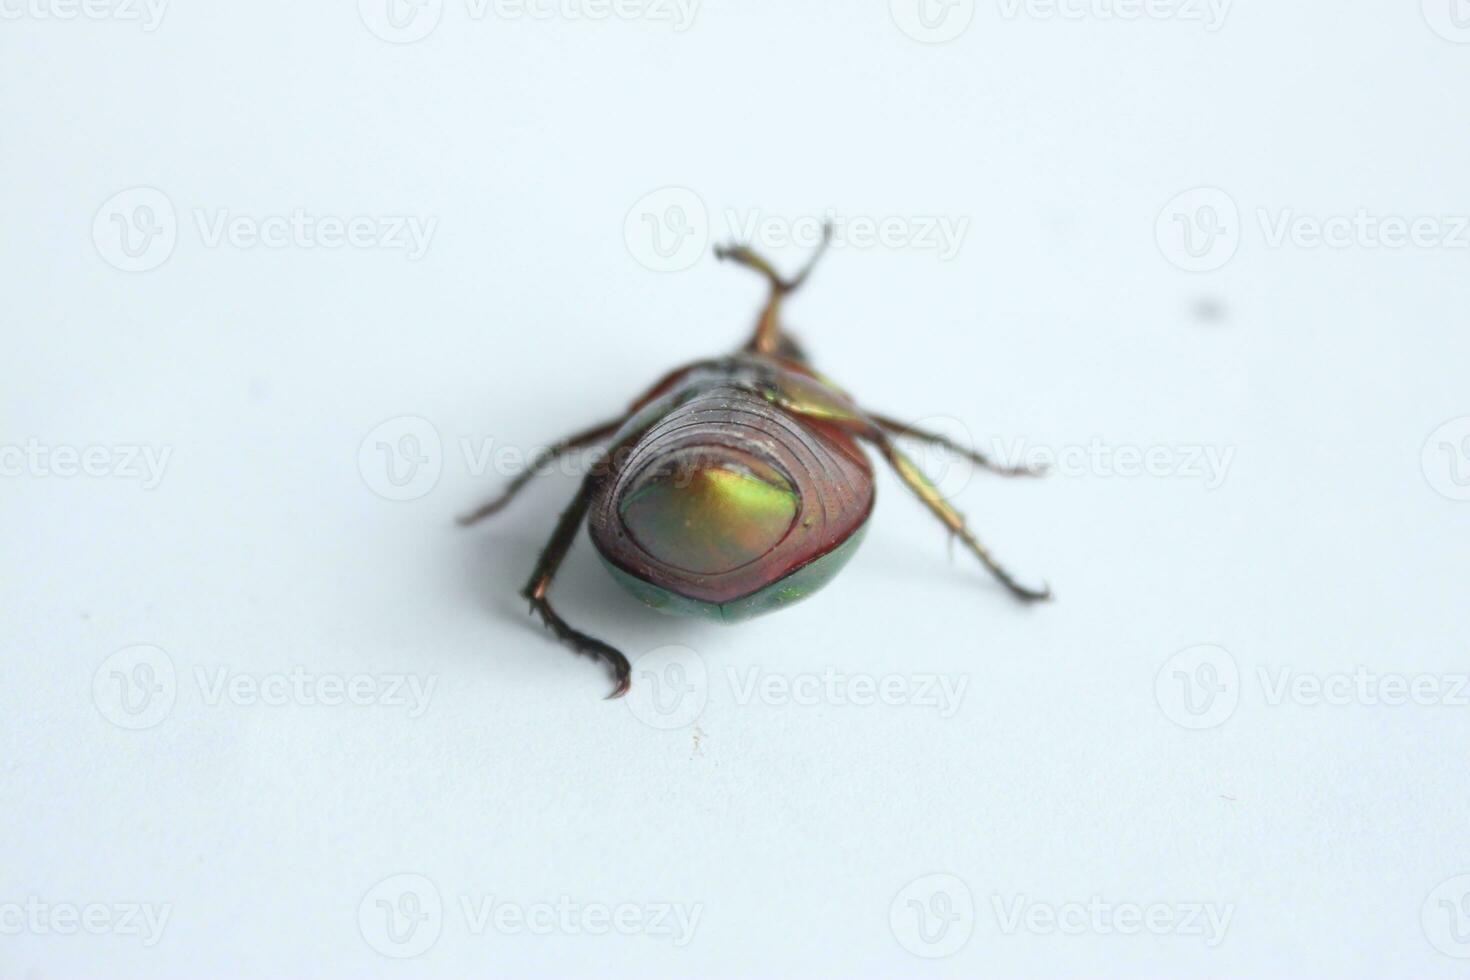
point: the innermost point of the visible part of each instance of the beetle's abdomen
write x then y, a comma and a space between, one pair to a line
726, 496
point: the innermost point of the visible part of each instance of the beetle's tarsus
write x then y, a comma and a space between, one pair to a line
927, 492
586, 645
1044, 594
489, 509
767, 339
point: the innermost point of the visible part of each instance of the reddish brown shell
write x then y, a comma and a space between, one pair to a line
727, 424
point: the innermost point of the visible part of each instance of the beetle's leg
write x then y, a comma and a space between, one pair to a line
546, 566
926, 491
547, 455
973, 455
767, 339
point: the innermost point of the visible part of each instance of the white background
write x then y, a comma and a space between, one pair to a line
1066, 774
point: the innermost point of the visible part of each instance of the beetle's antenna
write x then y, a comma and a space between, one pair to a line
767, 339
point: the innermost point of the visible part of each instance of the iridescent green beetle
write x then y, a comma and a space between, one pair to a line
733, 486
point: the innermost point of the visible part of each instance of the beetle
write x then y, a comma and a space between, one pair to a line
735, 485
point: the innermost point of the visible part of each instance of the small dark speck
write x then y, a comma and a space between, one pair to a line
1210, 309
1230, 798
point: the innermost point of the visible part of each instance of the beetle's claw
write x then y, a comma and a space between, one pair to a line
625, 681
1033, 595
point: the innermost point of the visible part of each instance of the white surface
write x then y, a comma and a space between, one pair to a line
793, 827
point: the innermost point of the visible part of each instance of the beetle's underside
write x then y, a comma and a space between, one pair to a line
733, 486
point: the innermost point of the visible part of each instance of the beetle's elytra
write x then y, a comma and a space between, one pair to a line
733, 486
